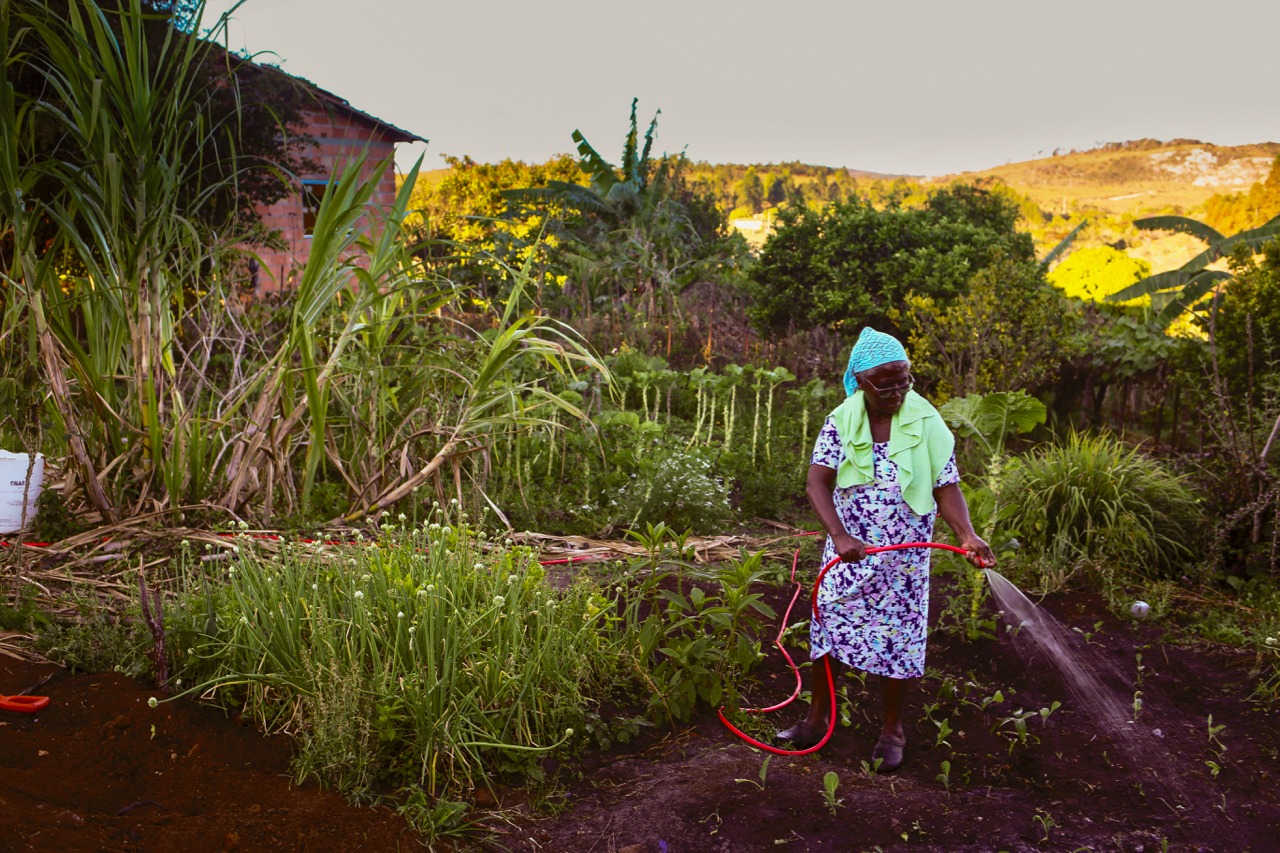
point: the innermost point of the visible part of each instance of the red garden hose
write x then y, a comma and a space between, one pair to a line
826, 659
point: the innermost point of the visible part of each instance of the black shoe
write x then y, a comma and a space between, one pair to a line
888, 751
802, 735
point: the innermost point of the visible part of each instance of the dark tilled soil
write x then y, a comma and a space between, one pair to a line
98, 769
91, 773
1071, 787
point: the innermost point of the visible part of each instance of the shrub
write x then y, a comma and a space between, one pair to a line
677, 487
1094, 499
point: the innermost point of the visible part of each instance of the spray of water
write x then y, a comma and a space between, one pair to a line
1099, 690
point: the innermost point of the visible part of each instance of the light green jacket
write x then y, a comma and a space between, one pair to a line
920, 444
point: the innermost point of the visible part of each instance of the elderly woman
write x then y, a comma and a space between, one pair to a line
883, 468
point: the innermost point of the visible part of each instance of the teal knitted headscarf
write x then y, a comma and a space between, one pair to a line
872, 350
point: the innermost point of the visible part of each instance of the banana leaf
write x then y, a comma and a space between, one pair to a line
1190, 295
1183, 224
1062, 246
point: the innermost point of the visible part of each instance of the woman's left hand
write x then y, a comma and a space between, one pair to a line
978, 552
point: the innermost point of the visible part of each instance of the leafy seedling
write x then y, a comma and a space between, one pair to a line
764, 772
829, 784
945, 776
1046, 822
944, 729
1218, 746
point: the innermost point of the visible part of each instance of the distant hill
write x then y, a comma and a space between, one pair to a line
1133, 177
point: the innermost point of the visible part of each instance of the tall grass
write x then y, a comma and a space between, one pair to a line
1092, 498
128, 200
429, 659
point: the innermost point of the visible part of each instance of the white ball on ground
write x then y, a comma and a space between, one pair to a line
1140, 609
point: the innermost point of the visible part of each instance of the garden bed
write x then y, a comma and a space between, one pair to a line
90, 773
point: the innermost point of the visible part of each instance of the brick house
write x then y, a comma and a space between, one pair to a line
340, 132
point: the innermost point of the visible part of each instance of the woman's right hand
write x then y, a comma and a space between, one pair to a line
851, 550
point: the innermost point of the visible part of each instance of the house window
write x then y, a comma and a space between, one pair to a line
312, 192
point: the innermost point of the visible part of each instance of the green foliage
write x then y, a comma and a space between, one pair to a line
1095, 273
830, 782
851, 264
54, 520
992, 418
1123, 348
94, 640
465, 205
1008, 329
631, 239
424, 661
685, 448
1247, 325
751, 188
462, 219
698, 645
435, 660
675, 486
1092, 498
24, 613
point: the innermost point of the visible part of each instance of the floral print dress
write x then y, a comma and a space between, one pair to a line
875, 612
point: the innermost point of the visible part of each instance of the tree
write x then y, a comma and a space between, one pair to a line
1009, 330
1242, 211
749, 192
852, 264
1246, 328
465, 213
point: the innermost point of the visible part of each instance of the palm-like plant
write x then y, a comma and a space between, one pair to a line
615, 193
638, 237
1175, 292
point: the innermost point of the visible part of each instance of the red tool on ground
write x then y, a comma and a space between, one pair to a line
22, 703
831, 724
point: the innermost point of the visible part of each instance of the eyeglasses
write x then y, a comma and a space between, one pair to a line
896, 389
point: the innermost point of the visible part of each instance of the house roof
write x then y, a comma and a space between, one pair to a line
396, 134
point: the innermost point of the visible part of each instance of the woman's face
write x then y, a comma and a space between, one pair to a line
886, 386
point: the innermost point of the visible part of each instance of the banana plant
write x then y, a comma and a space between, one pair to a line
614, 192
1175, 292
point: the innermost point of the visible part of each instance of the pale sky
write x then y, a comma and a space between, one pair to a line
927, 87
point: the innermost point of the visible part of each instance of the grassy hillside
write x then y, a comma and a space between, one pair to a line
1128, 178
1110, 185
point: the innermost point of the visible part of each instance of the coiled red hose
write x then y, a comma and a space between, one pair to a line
826, 659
